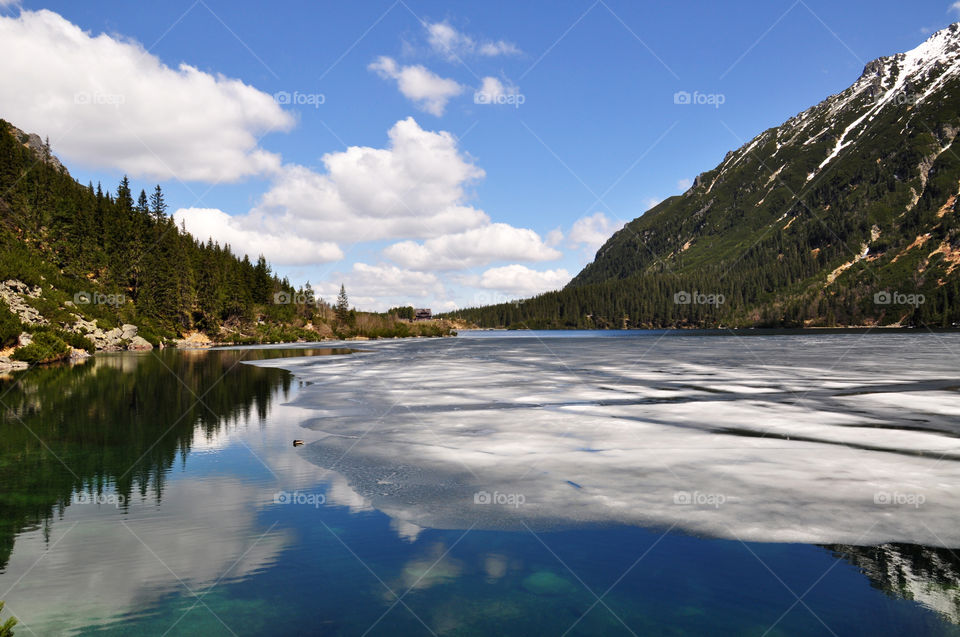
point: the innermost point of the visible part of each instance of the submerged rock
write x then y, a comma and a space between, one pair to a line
548, 583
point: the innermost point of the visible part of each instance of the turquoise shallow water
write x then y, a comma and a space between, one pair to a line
159, 493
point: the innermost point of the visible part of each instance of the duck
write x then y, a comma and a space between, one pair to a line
297, 443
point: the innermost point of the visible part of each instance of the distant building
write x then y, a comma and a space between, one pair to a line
422, 314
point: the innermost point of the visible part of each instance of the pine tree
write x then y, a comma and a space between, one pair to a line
343, 305
158, 207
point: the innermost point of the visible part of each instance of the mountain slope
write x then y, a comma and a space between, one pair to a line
816, 222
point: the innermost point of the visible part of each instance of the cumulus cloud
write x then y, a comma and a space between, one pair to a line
245, 237
389, 280
593, 231
684, 184
955, 8
417, 83
107, 103
554, 238
521, 280
472, 248
453, 44
416, 187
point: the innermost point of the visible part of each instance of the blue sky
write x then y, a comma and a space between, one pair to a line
466, 202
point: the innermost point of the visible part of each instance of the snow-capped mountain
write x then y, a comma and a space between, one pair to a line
819, 220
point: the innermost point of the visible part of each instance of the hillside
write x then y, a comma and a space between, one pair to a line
82, 269
846, 214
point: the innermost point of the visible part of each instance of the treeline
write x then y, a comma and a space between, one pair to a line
130, 263
125, 245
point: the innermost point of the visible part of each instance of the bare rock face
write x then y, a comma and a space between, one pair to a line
139, 344
24, 339
39, 147
13, 292
7, 365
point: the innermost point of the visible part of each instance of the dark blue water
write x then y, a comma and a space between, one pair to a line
160, 493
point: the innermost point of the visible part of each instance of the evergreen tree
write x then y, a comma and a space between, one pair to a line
158, 206
343, 305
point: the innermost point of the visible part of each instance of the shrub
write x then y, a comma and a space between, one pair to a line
10, 326
6, 628
76, 341
45, 348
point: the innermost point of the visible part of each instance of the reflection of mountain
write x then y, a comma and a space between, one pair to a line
928, 576
118, 423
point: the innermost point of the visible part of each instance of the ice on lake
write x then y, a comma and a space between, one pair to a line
823, 438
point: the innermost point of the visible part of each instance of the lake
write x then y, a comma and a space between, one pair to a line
521, 483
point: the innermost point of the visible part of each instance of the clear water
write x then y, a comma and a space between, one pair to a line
159, 493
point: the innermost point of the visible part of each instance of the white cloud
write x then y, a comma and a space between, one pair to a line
493, 91
384, 281
10, 3
593, 231
417, 83
523, 281
414, 188
684, 184
107, 103
500, 47
554, 238
476, 247
453, 44
652, 202
382, 286
248, 238
955, 7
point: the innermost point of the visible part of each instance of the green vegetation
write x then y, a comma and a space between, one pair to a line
46, 347
407, 313
6, 628
120, 259
782, 240
10, 326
